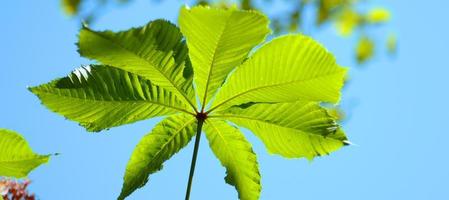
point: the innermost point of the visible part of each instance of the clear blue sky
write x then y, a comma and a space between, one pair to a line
399, 117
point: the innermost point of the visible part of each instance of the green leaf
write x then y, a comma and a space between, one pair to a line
166, 139
17, 159
289, 68
236, 155
293, 130
100, 97
218, 41
70, 7
156, 52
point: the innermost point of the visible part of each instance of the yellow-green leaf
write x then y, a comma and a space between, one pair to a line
17, 159
155, 51
293, 130
218, 41
236, 155
166, 139
289, 68
100, 97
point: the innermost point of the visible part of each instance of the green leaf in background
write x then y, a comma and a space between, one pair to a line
326, 8
392, 44
100, 97
71, 7
365, 49
378, 15
350, 16
283, 70
276, 92
166, 139
17, 159
348, 21
218, 41
236, 154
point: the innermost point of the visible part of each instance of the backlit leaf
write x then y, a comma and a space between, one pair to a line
100, 97
166, 139
17, 159
289, 68
236, 155
293, 130
155, 51
218, 41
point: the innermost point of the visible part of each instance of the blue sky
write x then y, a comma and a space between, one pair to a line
398, 115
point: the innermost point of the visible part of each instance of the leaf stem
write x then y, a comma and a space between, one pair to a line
195, 154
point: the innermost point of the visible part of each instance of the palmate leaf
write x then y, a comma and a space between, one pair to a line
100, 97
288, 68
218, 41
275, 92
236, 154
17, 159
293, 130
155, 52
166, 139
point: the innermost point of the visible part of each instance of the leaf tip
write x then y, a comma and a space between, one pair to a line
349, 143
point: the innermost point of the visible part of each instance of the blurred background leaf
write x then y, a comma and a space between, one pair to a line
70, 7
347, 16
365, 49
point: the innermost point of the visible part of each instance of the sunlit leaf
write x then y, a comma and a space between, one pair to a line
275, 91
218, 41
100, 97
236, 155
336, 112
286, 69
155, 52
166, 139
293, 130
17, 159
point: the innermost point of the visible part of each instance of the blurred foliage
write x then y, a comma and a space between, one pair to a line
346, 15
364, 50
15, 190
392, 43
70, 7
